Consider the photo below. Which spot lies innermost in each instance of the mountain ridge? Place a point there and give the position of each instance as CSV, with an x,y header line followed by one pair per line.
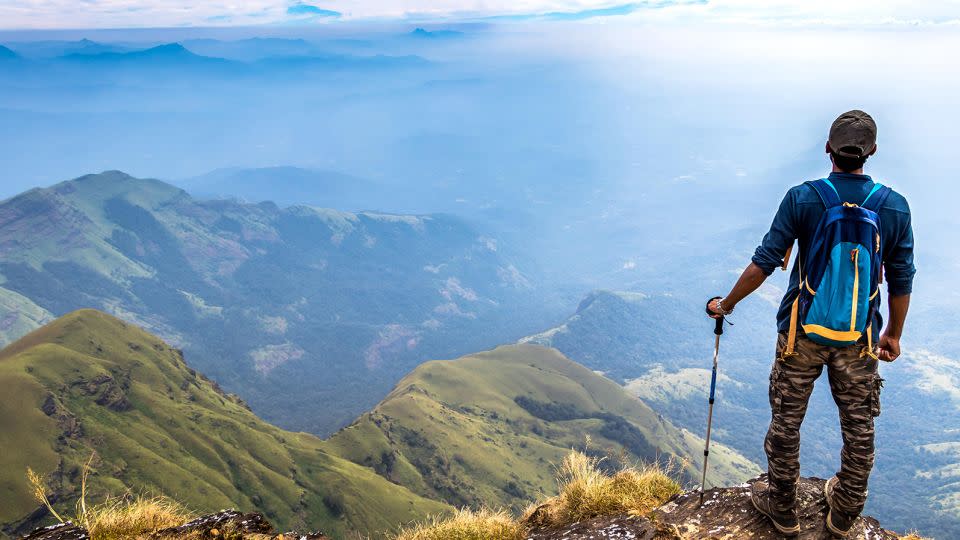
x,y
527,406
264,297
89,383
167,52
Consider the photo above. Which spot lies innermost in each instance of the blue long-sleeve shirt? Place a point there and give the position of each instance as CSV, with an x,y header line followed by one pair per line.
x,y
797,219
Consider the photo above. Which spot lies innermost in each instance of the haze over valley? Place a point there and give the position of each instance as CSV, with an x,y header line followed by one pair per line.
x,y
288,232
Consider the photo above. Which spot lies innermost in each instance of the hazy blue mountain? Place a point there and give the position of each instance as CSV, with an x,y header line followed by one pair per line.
x,y
7,54
169,53
423,33
310,314
56,48
660,347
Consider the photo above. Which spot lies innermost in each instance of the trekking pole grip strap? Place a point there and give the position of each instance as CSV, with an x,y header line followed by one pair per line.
x,y
718,329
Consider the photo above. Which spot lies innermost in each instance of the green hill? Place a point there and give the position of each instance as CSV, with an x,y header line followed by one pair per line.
x,y
661,348
284,306
90,382
490,428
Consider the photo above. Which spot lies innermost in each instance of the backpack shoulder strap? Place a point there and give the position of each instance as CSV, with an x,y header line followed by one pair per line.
x,y
878,195
827,191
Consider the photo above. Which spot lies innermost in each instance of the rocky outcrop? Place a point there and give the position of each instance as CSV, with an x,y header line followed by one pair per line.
x,y
228,521
60,531
228,524
726,514
108,391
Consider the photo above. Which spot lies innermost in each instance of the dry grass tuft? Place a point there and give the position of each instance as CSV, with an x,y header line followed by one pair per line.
x,y
117,518
587,492
131,518
38,485
467,525
912,536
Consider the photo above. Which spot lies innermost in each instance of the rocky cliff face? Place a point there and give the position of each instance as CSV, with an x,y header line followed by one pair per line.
x,y
726,514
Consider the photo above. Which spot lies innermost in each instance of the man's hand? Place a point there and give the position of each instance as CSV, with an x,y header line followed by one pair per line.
x,y
889,348
713,310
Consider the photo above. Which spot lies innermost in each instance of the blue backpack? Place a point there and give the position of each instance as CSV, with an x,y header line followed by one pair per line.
x,y
840,274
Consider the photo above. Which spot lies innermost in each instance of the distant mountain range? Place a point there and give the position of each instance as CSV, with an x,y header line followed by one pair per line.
x,y
295,308
241,50
246,58
423,33
90,384
171,52
56,48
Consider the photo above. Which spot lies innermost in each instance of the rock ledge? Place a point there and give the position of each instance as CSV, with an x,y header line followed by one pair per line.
x,y
726,514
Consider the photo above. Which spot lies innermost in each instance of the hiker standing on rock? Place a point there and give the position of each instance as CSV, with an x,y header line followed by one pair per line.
x,y
851,232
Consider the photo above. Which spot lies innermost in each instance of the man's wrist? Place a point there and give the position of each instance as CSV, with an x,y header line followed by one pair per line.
x,y
723,307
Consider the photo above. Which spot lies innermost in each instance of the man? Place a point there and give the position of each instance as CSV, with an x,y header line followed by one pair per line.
x,y
852,369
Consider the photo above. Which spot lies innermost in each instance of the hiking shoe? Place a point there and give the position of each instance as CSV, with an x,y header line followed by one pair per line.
x,y
838,523
786,523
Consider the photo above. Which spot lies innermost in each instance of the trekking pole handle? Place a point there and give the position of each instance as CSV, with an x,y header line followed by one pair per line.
x,y
718,329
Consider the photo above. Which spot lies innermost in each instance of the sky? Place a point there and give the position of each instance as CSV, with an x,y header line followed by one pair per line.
x,y
49,14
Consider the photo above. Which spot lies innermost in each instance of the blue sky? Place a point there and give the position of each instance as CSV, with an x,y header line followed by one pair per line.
x,y
21,14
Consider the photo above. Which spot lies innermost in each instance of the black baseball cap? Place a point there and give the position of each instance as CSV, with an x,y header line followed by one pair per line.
x,y
853,134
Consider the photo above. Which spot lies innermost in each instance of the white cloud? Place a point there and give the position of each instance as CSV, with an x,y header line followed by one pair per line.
x,y
823,12
136,13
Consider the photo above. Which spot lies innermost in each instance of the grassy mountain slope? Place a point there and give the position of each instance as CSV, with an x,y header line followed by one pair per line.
x,y
89,382
285,306
490,427
660,348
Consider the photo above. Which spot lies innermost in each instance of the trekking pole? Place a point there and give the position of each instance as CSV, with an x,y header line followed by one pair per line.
x,y
718,331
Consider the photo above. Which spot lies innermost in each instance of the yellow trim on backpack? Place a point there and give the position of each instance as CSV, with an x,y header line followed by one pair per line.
x,y
856,288
792,334
834,335
875,293
869,350
807,284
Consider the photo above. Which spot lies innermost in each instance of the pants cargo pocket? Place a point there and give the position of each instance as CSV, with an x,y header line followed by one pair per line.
x,y
776,392
875,396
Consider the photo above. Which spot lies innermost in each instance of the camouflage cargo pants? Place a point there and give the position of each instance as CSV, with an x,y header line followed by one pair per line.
x,y
855,385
